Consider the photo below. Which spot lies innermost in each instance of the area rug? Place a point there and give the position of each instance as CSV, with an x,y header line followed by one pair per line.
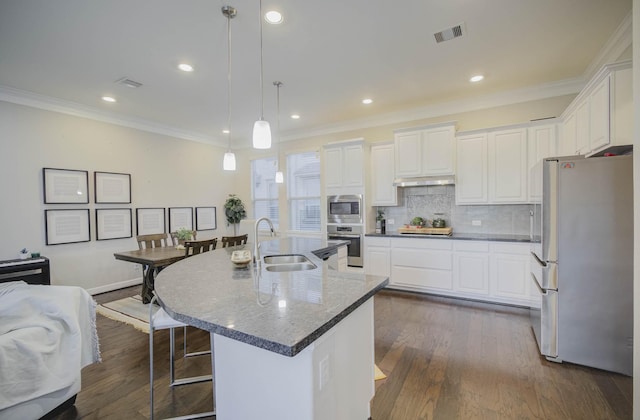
x,y
129,310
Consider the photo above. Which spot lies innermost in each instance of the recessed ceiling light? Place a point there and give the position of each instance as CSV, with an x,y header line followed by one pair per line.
x,y
367,101
273,17
185,67
476,78
108,99
225,131
295,116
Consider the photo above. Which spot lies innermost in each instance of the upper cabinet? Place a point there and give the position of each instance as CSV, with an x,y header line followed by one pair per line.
x,y
382,173
344,167
492,166
600,118
542,141
425,151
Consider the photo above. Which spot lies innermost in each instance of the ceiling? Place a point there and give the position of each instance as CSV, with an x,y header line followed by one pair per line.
x,y
329,55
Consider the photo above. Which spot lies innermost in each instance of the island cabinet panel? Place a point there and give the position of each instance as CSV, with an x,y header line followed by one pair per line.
x,y
422,263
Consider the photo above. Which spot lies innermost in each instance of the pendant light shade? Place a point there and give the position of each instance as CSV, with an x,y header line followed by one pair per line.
x,y
279,177
261,135
229,162
261,128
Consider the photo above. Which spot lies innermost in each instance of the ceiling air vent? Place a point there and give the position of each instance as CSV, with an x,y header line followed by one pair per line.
x,y
450,33
129,83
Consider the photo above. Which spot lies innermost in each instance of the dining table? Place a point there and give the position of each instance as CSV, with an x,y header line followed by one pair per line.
x,y
152,261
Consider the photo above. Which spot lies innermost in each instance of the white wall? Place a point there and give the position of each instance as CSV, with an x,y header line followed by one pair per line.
x,y
165,172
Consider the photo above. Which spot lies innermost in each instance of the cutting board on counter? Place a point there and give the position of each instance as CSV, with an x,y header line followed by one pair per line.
x,y
426,230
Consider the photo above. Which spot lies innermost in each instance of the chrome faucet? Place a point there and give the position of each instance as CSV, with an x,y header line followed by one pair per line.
x,y
256,245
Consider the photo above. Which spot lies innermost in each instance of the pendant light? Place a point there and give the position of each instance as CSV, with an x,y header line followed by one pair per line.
x,y
279,174
229,161
261,128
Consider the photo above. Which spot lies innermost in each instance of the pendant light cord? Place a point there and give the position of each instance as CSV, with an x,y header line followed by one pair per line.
x,y
261,84
229,82
278,84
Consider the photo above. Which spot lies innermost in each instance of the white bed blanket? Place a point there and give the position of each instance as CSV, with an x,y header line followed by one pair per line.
x,y
47,335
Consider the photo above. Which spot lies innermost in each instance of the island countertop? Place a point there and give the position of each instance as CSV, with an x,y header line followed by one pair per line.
x,y
282,312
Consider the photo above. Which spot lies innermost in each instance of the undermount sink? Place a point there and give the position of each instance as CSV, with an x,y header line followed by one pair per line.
x,y
285,259
284,263
290,267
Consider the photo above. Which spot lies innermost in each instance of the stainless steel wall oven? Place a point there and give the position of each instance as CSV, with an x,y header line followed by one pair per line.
x,y
354,235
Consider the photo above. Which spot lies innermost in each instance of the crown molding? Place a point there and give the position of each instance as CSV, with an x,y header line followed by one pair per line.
x,y
531,93
48,103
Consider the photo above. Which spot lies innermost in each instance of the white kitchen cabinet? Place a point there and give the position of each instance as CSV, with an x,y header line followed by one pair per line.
x,y
542,144
471,163
422,264
377,256
344,167
508,167
471,267
510,273
603,113
382,174
425,152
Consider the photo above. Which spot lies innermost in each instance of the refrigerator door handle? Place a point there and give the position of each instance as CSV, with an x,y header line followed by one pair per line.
x,y
542,263
535,281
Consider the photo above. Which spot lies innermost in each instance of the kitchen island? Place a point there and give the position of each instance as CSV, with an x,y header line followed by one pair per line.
x,y
288,344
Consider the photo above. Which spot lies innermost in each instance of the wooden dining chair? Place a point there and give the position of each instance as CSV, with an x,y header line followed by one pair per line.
x,y
155,240
233,240
198,247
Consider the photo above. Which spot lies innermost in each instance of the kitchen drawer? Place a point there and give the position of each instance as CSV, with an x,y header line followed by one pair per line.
x,y
510,248
420,258
377,241
471,246
422,278
422,243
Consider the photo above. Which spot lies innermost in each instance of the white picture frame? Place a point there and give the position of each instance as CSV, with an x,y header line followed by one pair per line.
x,y
65,186
112,188
66,226
180,217
206,218
113,224
150,221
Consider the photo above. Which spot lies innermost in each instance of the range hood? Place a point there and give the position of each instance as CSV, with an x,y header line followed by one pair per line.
x,y
424,180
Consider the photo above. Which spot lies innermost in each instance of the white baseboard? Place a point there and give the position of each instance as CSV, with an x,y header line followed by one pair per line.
x,y
115,286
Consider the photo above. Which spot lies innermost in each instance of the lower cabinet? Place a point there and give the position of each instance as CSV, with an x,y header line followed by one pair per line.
x,y
482,270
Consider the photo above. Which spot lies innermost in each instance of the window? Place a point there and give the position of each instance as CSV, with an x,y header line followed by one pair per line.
x,y
264,190
303,186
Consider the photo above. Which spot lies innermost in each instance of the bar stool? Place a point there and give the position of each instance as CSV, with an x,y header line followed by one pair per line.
x,y
160,321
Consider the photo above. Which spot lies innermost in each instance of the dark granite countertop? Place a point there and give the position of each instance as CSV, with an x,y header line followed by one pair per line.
x,y
456,235
282,312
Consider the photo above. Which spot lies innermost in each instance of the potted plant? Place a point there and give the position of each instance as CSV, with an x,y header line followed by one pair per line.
x,y
24,254
183,234
234,211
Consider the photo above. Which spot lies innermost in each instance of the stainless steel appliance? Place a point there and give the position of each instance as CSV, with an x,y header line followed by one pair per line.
x,y
582,262
353,234
344,209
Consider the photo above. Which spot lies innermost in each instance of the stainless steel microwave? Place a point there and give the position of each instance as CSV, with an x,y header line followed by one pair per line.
x,y
344,208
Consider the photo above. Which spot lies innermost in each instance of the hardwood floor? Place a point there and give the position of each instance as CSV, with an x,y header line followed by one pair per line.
x,y
444,359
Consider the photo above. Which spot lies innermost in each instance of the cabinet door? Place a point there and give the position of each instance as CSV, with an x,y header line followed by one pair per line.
x,y
377,261
333,167
382,176
568,139
352,166
471,164
471,272
582,128
508,166
510,276
542,144
408,154
599,115
438,147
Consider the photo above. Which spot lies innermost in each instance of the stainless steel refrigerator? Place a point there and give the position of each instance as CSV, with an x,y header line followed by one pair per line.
x,y
582,262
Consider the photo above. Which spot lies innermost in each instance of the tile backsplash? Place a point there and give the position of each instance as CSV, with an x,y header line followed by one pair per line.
x,y
508,219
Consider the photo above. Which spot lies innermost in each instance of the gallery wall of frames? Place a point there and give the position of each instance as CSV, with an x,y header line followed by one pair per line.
x,y
67,216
